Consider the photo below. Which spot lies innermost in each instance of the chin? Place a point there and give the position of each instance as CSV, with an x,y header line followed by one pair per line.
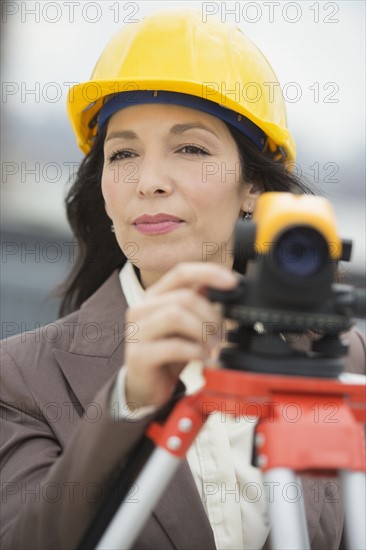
x,y
163,259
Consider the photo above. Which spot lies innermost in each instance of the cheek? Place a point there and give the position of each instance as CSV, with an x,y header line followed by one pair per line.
x,y
106,183
111,191
221,196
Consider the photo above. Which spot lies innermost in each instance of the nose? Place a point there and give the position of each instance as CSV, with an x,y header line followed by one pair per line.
x,y
152,178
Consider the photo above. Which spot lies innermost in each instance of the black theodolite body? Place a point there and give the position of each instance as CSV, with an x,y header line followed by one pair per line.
x,y
289,255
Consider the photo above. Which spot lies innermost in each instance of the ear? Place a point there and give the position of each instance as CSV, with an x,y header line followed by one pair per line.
x,y
251,192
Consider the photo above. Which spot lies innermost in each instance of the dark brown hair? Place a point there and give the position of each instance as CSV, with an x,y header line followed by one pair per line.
x,y
99,253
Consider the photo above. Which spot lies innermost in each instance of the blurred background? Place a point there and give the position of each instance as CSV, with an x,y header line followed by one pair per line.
x,y
316,48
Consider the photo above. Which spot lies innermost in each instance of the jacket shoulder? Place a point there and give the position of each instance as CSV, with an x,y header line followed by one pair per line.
x,y
29,371
57,334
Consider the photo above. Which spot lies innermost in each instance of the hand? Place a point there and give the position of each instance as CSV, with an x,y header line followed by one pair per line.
x,y
170,325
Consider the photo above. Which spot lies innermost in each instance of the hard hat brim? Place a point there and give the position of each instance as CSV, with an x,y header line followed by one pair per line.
x,y
85,100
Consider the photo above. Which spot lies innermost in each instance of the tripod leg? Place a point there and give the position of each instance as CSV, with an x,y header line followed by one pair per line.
x,y
354,493
131,516
286,513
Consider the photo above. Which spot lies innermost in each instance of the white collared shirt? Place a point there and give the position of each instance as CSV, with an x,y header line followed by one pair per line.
x,y
231,489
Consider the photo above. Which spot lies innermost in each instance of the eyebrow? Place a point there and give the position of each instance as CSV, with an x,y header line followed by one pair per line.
x,y
176,130
126,134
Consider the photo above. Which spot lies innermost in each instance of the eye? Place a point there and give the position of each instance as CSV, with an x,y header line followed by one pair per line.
x,y
121,154
193,150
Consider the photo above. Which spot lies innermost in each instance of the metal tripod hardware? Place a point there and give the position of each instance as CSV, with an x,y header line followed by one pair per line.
x,y
327,437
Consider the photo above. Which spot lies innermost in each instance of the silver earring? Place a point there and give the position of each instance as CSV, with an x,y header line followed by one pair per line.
x,y
247,216
112,228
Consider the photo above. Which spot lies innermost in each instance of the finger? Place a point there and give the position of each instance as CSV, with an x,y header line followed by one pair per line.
x,y
173,353
185,298
194,275
154,385
174,320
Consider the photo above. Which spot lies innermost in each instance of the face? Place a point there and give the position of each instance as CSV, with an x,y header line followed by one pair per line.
x,y
172,187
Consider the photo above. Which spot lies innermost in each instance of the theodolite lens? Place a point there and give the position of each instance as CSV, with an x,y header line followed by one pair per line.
x,y
301,251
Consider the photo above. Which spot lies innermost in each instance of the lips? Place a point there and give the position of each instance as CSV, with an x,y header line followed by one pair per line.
x,y
156,218
157,224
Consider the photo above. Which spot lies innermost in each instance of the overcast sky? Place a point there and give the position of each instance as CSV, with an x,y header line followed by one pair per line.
x,y
316,48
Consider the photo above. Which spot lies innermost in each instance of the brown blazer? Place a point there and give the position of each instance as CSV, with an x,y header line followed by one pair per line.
x,y
61,445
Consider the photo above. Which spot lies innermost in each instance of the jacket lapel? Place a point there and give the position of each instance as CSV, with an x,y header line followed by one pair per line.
x,y
86,375
96,351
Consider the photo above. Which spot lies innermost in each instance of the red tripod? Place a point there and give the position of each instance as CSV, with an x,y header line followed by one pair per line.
x,y
328,437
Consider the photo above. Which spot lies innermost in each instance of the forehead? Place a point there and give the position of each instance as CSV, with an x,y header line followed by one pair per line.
x,y
165,115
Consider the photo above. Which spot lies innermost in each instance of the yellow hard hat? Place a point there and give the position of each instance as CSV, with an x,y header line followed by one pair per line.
x,y
175,51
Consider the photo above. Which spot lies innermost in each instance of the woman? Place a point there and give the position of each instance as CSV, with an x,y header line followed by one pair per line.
x,y
172,161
